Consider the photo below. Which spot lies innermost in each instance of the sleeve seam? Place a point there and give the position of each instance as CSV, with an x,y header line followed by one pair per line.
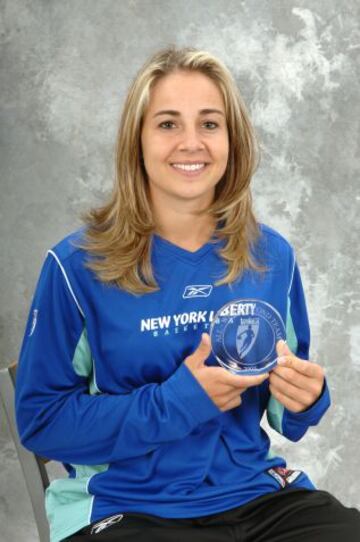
x,y
292,272
67,281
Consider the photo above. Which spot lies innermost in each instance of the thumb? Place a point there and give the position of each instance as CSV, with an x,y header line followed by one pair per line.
x,y
197,358
282,348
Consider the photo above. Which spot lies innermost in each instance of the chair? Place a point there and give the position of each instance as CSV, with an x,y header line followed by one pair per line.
x,y
33,466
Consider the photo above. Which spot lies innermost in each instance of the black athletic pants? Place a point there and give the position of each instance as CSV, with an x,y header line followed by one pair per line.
x,y
287,515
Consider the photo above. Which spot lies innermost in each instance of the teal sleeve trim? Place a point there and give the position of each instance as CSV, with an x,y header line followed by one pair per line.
x,y
293,425
69,503
83,362
291,338
275,410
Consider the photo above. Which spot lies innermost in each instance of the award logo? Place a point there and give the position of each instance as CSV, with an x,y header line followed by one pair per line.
x,y
244,334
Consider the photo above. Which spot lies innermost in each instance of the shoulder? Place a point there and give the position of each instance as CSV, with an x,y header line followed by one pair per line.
x,y
71,258
274,250
275,241
67,260
68,247
63,269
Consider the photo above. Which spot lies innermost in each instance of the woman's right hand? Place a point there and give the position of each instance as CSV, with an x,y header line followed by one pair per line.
x,y
223,387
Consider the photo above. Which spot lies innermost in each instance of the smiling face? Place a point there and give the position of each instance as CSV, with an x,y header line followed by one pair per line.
x,y
184,139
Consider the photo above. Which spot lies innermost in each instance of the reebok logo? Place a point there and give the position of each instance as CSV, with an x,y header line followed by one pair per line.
x,y
106,523
197,290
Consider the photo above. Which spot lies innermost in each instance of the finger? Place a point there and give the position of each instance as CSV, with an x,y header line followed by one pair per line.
x,y
223,399
312,385
234,394
288,403
244,381
299,395
305,367
225,390
282,348
198,357
233,403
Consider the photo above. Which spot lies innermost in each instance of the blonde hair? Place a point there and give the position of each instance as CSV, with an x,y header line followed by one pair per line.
x,y
119,233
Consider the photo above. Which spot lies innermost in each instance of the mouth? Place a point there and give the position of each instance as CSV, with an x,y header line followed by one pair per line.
x,y
190,169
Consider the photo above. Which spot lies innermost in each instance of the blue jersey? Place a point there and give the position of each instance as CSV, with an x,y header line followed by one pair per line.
x,y
102,387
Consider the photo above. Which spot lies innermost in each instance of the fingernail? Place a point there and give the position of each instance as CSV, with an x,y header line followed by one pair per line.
x,y
281,361
205,338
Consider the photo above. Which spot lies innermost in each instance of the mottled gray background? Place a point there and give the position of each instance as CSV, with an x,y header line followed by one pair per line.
x,y
66,66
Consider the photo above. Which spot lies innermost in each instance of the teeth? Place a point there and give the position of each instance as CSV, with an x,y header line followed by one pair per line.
x,y
189,167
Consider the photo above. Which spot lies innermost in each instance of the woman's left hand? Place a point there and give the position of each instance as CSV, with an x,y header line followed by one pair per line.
x,y
294,382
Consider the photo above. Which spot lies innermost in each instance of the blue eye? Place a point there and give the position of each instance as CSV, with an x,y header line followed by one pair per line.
x,y
215,125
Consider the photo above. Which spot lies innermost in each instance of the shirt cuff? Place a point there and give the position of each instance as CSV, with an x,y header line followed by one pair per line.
x,y
313,414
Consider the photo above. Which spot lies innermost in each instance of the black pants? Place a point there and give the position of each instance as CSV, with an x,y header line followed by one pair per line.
x,y
288,515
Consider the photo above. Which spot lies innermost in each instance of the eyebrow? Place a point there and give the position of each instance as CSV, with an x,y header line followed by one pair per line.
x,y
177,113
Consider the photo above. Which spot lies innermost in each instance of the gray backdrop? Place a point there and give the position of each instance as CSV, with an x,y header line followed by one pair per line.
x,y
66,66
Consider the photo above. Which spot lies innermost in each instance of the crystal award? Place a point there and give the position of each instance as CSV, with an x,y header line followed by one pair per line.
x,y
244,333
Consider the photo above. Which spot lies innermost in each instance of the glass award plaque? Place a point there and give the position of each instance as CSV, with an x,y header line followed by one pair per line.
x,y
244,333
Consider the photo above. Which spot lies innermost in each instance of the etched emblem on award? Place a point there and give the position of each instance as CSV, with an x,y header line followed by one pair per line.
x,y
244,333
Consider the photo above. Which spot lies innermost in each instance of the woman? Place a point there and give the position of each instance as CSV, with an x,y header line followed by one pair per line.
x,y
112,379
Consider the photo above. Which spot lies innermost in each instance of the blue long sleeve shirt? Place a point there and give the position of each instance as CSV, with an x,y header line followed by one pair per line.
x,y
102,387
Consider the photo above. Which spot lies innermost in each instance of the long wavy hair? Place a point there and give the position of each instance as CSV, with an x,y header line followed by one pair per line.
x,y
118,236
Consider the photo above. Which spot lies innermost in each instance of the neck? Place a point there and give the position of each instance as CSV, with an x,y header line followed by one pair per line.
x,y
181,226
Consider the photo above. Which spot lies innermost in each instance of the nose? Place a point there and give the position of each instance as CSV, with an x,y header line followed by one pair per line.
x,y
191,140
